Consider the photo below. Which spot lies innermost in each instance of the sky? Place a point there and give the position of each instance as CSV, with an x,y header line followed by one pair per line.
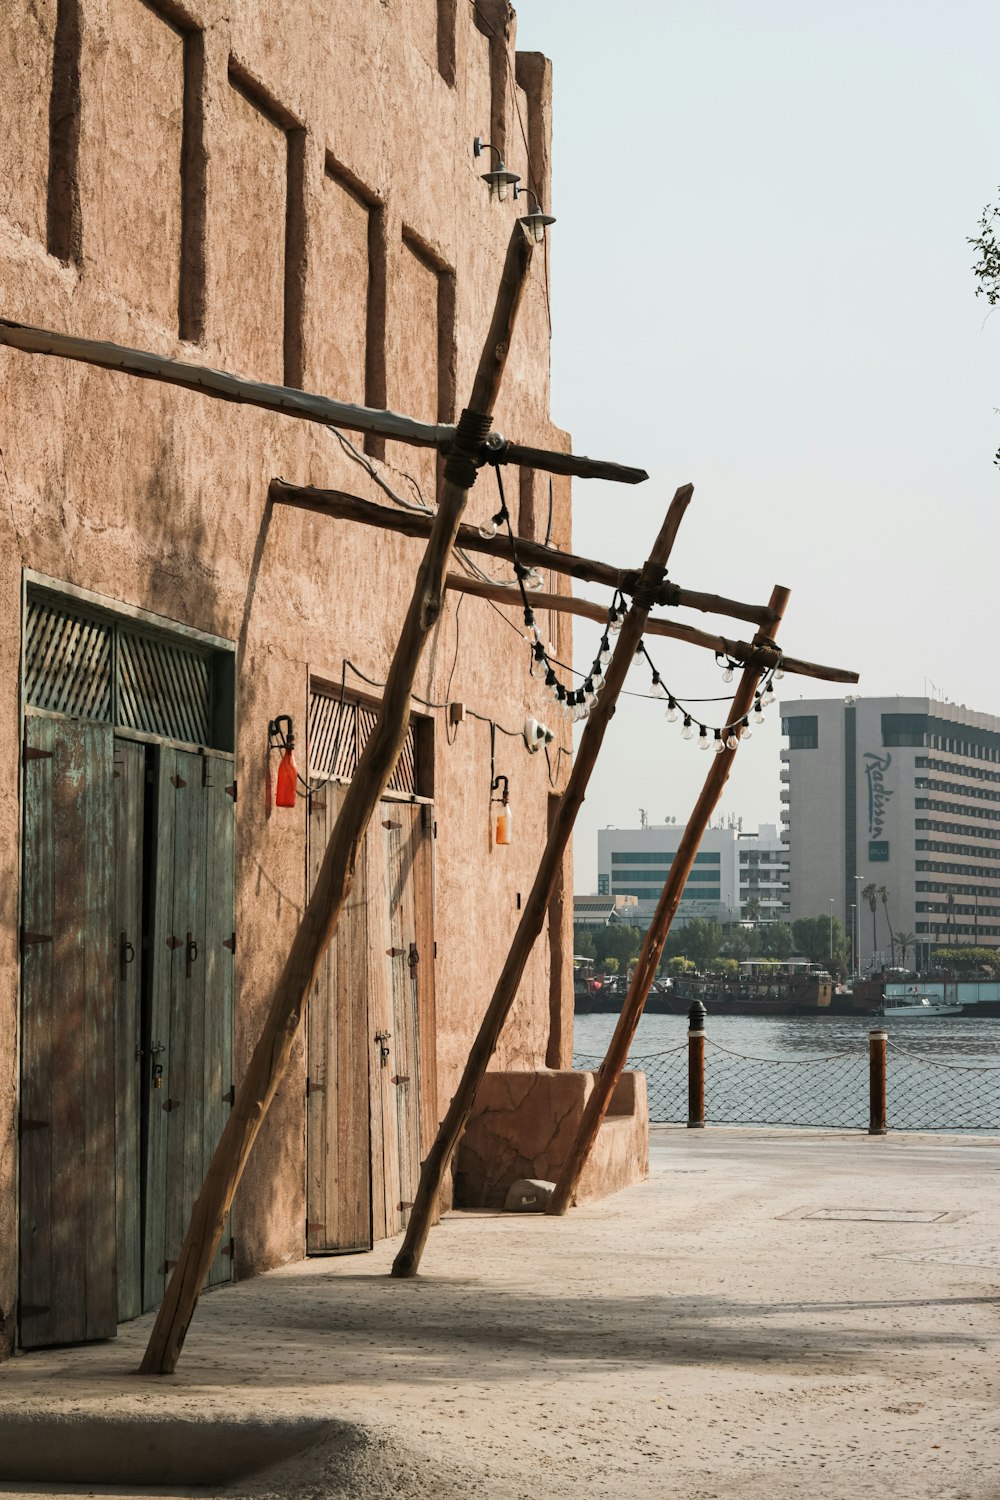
x,y
762,285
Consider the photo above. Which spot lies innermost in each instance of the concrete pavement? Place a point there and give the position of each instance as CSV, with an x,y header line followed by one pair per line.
x,y
772,1314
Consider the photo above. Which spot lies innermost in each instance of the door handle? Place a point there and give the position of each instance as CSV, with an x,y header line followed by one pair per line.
x,y
126,953
190,954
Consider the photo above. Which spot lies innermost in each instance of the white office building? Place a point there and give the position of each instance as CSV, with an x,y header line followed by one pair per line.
x,y
736,875
900,793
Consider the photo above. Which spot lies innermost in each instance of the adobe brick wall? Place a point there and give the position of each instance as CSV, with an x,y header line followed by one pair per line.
x,y
242,174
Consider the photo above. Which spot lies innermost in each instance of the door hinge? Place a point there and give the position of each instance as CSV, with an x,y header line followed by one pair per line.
x,y
230,943
317,804
394,952
178,782
229,1248
174,942
312,1228
168,1265
406,1203
28,939
31,752
231,790
24,1125
314,1088
32,1309
229,1097
388,823
169,1105
414,957
400,1078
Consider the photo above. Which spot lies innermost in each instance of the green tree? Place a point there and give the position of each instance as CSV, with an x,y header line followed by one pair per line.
x,y
742,943
776,940
905,941
987,268
702,941
583,942
816,940
883,896
870,894
611,965
752,911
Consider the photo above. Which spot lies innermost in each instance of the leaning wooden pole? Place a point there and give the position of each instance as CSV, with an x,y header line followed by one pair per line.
x,y
652,948
449,1134
271,1055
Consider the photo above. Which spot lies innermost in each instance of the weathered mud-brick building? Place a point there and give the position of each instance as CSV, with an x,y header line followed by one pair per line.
x,y
288,192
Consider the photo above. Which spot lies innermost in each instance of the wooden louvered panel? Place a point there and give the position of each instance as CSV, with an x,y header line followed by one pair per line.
x,y
67,663
333,750
163,689
338,732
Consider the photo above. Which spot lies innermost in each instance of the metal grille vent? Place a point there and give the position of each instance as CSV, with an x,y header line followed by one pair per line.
x,y
163,689
338,733
67,663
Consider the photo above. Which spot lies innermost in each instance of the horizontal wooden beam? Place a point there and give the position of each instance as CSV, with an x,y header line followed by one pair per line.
x,y
222,386
347,507
740,651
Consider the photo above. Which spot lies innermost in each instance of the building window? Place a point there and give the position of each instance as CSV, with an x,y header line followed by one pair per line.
x,y
904,729
802,732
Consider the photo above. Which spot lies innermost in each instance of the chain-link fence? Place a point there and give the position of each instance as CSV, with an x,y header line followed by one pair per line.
x,y
830,1091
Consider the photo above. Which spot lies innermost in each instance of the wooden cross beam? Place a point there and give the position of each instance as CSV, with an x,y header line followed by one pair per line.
x,y
534,554
720,645
223,386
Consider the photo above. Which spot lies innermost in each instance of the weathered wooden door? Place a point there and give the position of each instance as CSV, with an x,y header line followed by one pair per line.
x,y
127,932
371,1010
191,944
67,1165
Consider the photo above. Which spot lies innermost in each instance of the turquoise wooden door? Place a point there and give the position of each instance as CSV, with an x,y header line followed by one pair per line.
x,y
191,947
68,1290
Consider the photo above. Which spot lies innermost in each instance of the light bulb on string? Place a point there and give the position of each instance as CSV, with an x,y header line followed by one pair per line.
x,y
747,731
604,655
732,740
703,738
658,690
779,673
766,698
671,711
727,675
687,732
614,620
758,716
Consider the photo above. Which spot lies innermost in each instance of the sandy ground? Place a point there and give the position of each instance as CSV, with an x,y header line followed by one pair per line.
x,y
772,1314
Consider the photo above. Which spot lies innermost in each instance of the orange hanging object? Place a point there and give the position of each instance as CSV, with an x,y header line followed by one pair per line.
x,y
286,791
505,824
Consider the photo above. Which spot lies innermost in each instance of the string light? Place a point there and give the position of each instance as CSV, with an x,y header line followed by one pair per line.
x,y
576,703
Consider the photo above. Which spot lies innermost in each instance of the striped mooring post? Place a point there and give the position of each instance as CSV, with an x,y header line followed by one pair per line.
x,y
877,1046
696,1066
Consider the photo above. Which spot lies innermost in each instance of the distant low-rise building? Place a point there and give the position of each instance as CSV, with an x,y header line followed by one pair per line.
x,y
604,911
737,875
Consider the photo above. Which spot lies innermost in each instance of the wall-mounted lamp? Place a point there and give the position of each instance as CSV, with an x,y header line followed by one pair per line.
x,y
281,736
536,735
533,224
504,828
499,179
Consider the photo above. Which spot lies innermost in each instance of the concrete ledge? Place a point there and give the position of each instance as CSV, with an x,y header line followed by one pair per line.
x,y
81,1448
523,1124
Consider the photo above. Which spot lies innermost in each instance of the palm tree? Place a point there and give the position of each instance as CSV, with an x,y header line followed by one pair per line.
x,y
870,894
883,896
906,941
950,903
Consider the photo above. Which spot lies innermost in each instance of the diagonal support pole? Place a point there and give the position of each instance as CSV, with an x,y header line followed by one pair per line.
x,y
272,1053
449,1134
652,948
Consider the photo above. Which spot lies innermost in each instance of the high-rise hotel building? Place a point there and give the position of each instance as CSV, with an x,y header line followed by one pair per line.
x,y
896,792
